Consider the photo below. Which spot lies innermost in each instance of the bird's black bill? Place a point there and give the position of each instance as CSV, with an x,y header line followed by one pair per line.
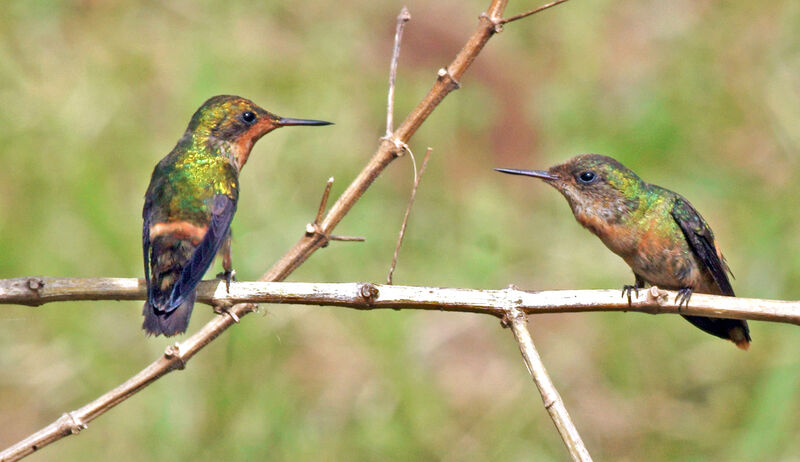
x,y
534,173
285,121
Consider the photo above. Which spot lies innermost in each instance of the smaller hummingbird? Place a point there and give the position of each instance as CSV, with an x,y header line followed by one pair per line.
x,y
189,205
656,231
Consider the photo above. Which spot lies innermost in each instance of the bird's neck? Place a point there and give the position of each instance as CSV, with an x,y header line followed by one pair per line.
x,y
236,153
617,221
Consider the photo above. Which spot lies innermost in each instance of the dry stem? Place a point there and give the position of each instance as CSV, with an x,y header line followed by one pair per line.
x,y
417,179
402,19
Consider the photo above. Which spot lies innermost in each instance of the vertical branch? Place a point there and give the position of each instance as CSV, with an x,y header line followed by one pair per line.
x,y
402,19
550,397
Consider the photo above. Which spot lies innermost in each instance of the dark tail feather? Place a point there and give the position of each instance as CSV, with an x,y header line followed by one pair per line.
x,y
734,330
158,322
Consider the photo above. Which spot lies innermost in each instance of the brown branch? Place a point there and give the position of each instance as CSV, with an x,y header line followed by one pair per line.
x,y
518,322
417,179
349,294
447,81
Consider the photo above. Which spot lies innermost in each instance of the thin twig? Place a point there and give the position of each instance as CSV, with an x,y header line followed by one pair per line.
x,y
402,19
447,81
528,13
323,203
492,302
518,322
314,227
417,179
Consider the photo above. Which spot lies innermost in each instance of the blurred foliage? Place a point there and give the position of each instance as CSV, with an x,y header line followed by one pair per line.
x,y
702,97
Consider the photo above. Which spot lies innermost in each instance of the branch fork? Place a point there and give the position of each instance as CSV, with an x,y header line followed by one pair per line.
x,y
315,228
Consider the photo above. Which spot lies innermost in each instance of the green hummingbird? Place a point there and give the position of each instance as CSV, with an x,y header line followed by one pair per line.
x,y
657,232
190,203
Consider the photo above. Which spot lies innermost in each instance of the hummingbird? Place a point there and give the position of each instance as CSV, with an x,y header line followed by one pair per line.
x,y
658,233
190,203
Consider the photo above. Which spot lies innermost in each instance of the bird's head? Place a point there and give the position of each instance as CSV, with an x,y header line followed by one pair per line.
x,y
238,123
596,187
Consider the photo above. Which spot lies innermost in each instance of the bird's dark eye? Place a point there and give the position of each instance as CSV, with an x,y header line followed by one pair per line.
x,y
248,117
587,177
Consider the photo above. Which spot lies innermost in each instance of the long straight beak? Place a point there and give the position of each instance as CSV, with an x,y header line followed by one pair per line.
x,y
534,173
285,121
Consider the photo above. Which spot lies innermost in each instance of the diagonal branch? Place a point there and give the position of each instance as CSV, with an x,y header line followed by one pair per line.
x,y
389,149
518,322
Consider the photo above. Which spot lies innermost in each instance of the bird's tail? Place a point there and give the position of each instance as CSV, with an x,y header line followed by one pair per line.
x,y
734,330
158,322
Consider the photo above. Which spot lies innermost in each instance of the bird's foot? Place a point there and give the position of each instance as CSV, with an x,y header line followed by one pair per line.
x,y
627,289
683,296
227,276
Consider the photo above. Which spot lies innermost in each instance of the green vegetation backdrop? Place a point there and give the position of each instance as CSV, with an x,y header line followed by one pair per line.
x,y
700,97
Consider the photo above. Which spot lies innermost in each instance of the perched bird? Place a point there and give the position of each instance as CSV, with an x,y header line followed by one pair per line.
x,y
190,203
656,231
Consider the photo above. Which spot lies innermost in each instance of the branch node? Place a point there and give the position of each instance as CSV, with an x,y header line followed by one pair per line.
x,y
174,352
35,284
444,75
369,292
512,314
496,23
656,295
400,147
74,423
314,229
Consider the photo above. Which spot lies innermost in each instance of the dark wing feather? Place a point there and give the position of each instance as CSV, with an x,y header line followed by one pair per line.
x,y
222,212
701,240
146,243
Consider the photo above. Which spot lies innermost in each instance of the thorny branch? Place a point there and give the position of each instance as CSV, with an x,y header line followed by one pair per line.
x,y
177,355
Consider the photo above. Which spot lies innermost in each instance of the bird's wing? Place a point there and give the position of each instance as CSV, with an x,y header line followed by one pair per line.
x,y
222,211
146,242
701,241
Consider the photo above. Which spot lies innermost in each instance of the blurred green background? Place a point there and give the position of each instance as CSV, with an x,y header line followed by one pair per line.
x,y
702,97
